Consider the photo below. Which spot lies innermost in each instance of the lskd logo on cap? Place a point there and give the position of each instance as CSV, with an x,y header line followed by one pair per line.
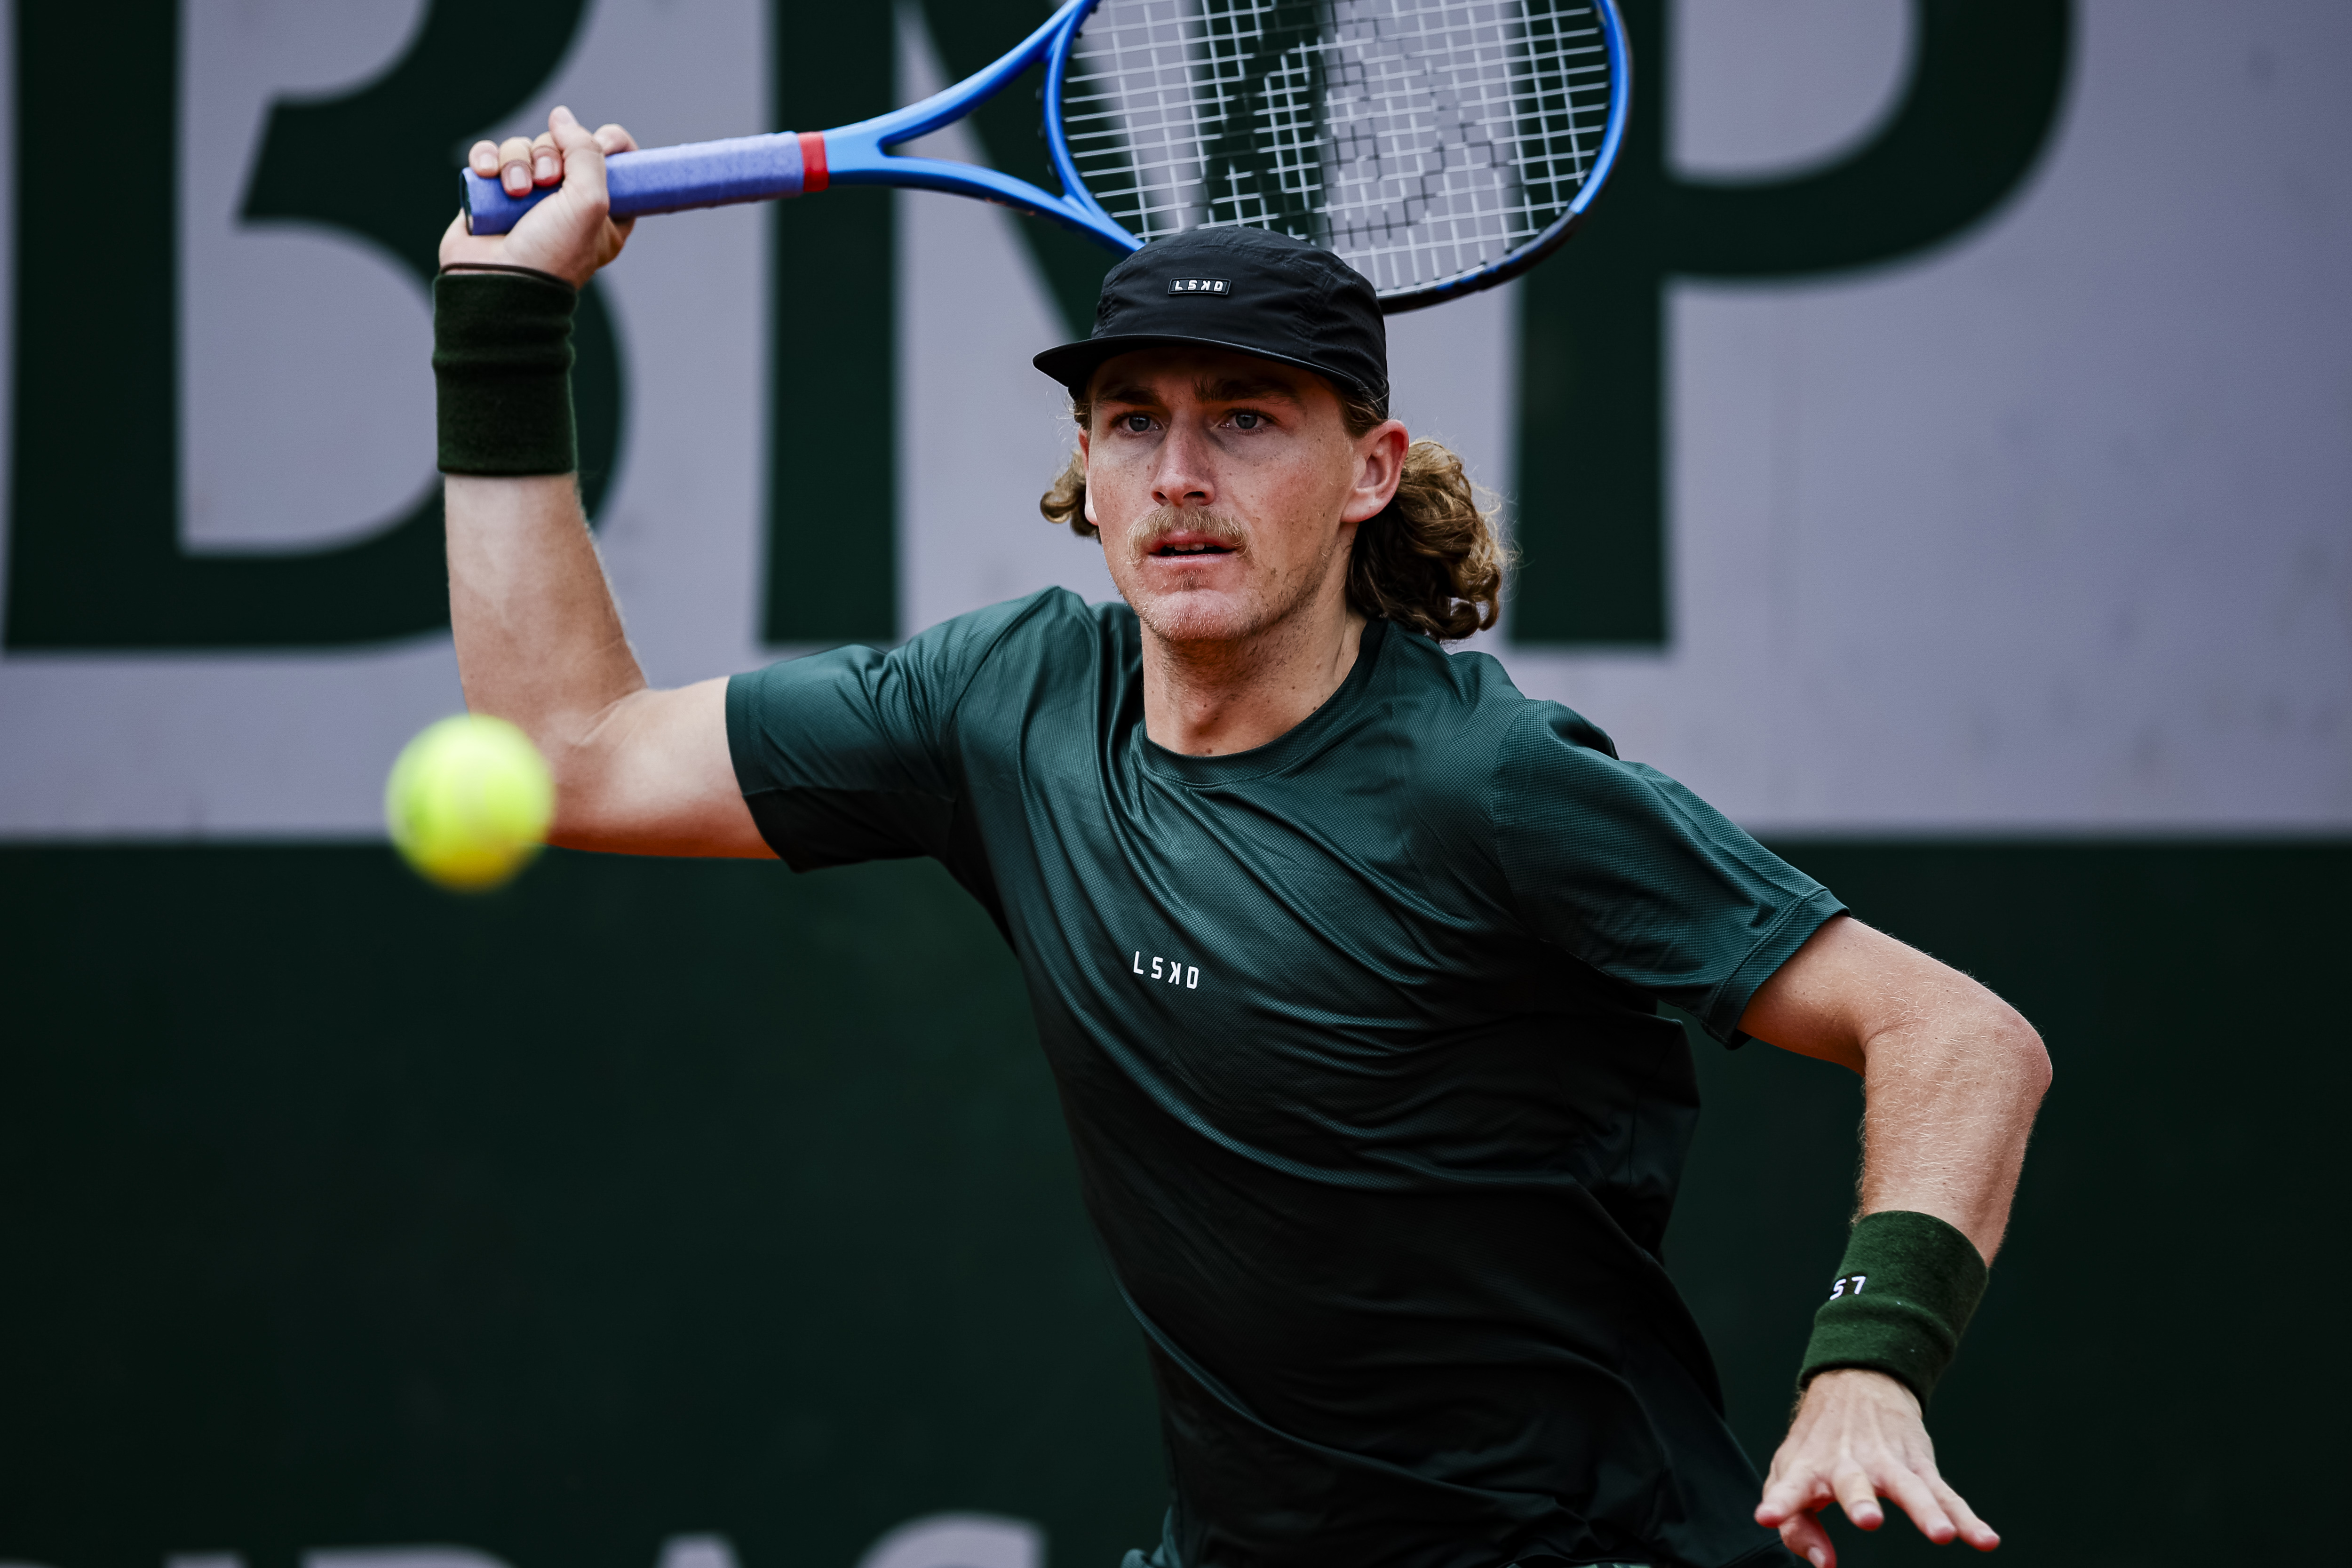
x,y
1198,286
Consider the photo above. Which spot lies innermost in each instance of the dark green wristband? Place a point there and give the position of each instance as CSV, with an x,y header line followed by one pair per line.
x,y
1903,1298
502,361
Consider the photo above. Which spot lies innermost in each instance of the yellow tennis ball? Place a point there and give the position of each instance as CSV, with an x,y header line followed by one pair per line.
x,y
469,801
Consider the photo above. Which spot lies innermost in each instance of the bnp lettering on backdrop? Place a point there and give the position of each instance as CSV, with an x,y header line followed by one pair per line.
x,y
96,557
1985,83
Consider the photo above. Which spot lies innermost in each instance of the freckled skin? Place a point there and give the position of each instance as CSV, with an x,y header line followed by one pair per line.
x,y
1203,446
1275,467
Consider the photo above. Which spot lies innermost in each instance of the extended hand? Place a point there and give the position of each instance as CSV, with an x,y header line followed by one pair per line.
x,y
1857,1437
571,234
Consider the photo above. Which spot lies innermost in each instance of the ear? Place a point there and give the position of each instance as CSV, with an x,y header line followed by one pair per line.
x,y
1380,466
1085,456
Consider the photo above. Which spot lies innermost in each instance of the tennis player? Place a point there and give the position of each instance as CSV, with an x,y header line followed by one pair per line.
x,y
1347,956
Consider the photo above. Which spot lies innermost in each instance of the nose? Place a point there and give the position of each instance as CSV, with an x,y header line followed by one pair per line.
x,y
1181,469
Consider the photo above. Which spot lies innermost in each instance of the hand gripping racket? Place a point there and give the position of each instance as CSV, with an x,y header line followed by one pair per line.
x,y
1438,146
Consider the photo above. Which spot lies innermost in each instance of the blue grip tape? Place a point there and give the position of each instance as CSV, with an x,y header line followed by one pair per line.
x,y
661,180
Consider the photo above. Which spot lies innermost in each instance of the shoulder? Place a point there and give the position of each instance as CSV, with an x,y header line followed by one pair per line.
x,y
1034,619
1495,765
1048,617
920,683
803,716
1045,652
1439,729
1473,696
1048,635
1049,631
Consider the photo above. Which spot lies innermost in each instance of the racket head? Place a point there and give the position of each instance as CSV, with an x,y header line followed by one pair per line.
x,y
1440,146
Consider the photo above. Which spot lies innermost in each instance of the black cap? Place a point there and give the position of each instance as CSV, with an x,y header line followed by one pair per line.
x,y
1248,289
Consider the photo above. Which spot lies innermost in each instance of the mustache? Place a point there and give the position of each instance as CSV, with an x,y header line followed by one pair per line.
x,y
1156,529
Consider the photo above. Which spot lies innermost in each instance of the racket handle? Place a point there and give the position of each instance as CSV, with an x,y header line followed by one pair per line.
x,y
673,179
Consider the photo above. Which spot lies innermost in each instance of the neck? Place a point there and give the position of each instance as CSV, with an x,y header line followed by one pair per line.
x,y
1212,699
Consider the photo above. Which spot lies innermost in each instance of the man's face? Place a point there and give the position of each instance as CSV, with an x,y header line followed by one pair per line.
x,y
1227,488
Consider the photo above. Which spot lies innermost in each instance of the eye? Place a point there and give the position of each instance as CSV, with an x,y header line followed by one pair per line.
x,y
1247,419
1135,423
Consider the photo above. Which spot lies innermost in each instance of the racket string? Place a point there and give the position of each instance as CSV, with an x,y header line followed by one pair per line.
x,y
1422,139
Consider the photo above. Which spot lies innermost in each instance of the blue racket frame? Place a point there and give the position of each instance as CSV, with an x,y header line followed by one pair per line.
x,y
859,155
760,168
1613,137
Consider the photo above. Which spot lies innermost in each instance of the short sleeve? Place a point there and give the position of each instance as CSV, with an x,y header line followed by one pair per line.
x,y
849,755
1627,871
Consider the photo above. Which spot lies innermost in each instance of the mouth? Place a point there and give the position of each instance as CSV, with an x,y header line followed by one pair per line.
x,y
1187,541
1199,540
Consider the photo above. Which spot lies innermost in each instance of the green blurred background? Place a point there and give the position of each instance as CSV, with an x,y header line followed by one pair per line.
x,y
648,1197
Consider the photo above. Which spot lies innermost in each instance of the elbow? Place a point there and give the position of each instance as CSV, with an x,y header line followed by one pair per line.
x,y
582,806
2020,1047
573,828
597,760
579,774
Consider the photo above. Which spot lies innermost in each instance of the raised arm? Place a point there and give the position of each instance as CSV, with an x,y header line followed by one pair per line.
x,y
1952,1077
539,636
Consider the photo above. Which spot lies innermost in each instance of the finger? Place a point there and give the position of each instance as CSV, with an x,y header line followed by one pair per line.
x,y
1858,1498
1792,1488
615,139
514,166
483,159
1915,1497
1973,1530
546,162
1798,1492
584,160
1804,1536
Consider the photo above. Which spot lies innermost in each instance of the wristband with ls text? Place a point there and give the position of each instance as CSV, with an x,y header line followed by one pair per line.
x,y
1901,1301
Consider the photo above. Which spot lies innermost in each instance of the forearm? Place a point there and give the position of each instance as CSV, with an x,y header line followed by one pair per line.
x,y
1951,1074
1950,1096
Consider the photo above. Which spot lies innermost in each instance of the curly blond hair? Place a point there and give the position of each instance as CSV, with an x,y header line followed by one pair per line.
x,y
1432,560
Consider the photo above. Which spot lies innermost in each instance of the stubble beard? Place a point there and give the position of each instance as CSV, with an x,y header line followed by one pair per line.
x,y
1189,617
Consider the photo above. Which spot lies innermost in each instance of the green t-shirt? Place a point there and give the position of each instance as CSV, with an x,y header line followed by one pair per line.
x,y
1357,1038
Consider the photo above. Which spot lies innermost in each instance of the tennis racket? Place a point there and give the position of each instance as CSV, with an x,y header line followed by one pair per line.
x,y
1438,146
